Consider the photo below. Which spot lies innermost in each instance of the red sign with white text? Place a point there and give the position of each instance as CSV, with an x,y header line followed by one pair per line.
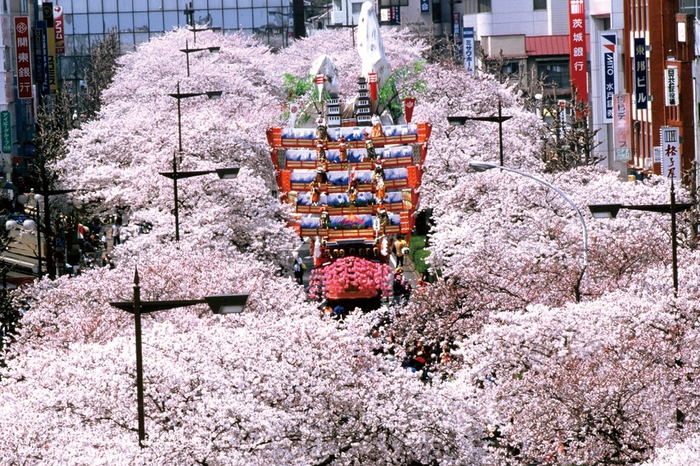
x,y
24,63
577,48
58,29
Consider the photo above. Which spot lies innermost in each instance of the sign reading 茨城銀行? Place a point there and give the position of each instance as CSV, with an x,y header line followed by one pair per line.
x,y
577,48
6,131
670,152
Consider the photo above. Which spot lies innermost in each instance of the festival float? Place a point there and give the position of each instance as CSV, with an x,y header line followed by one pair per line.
x,y
352,176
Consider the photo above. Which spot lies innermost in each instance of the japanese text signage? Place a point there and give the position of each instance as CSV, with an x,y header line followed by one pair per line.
x,y
608,43
424,6
41,56
58,29
577,48
621,126
24,63
6,127
640,73
47,12
468,41
670,153
671,82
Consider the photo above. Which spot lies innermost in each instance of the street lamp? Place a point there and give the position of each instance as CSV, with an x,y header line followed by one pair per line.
x,y
175,175
483,166
187,50
224,174
189,19
31,224
461,120
219,304
611,210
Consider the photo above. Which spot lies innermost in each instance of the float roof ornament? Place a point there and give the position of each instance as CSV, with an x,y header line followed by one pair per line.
x,y
370,46
324,65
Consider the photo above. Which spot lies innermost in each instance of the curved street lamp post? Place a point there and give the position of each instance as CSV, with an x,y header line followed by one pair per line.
x,y
483,166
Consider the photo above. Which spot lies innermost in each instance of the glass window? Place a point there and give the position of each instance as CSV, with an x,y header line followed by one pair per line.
x,y
555,73
80,24
155,21
110,21
67,25
244,4
126,22
245,18
80,45
96,25
437,11
230,19
214,4
155,5
170,20
170,5
140,38
109,6
539,5
484,6
80,6
216,18
200,5
126,39
259,17
67,8
125,5
96,39
140,22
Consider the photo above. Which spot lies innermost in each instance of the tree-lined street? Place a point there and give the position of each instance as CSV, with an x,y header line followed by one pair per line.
x,y
531,355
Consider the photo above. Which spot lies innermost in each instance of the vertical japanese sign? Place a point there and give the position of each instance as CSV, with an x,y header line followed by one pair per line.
x,y
622,123
58,29
24,65
456,29
468,41
640,73
41,57
47,12
6,130
671,84
425,6
670,153
608,43
577,48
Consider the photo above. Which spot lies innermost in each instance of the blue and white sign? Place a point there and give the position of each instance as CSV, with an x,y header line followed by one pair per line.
x,y
468,43
425,6
640,74
608,43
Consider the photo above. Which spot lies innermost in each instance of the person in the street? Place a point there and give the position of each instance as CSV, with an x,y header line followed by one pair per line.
x,y
116,231
298,268
400,247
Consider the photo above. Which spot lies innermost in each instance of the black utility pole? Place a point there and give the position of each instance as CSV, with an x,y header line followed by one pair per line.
x,y
299,19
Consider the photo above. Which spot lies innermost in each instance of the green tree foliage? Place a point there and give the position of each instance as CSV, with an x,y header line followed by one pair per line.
x,y
404,82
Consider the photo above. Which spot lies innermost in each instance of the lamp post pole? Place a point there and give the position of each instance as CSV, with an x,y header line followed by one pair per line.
x,y
219,304
460,120
139,359
674,241
611,210
483,166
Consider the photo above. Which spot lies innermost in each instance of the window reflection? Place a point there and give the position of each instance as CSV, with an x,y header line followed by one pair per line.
x,y
126,22
110,21
155,21
109,6
140,22
80,24
125,5
170,19
96,26
230,19
80,6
